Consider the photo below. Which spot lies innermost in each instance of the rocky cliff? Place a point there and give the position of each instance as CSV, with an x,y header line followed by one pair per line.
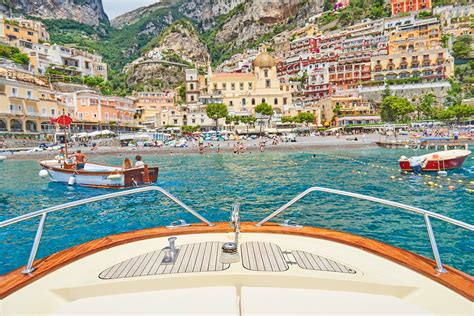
x,y
161,66
90,12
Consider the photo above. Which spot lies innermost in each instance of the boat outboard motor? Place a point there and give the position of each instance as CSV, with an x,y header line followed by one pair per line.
x,y
415,164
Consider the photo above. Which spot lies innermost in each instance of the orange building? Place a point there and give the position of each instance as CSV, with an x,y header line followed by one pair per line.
x,y
403,6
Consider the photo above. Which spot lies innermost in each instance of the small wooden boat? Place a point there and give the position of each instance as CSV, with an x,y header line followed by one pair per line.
x,y
438,161
97,175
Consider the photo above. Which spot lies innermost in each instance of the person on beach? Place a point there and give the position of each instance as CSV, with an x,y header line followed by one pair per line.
x,y
218,148
138,161
127,163
80,159
261,144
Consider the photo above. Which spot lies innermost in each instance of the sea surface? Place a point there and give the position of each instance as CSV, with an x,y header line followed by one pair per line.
x,y
212,183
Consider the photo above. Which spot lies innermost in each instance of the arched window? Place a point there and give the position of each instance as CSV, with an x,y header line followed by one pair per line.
x,y
253,101
263,100
3,125
31,126
15,125
244,102
275,101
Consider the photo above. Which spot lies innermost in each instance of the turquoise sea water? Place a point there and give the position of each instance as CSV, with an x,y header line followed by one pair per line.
x,y
212,183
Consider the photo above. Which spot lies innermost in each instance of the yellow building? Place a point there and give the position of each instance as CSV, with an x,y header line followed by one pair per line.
x,y
419,36
427,65
344,105
26,104
149,104
242,92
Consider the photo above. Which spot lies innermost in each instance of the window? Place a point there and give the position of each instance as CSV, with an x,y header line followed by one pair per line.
x,y
30,33
53,112
265,73
15,29
231,103
83,102
193,121
253,101
232,86
250,86
175,122
15,92
275,101
224,86
80,115
241,86
30,109
268,83
107,116
244,102
94,115
114,116
202,120
44,111
263,100
215,86
29,94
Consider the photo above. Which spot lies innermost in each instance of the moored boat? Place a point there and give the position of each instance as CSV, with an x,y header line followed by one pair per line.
x,y
236,269
438,161
97,175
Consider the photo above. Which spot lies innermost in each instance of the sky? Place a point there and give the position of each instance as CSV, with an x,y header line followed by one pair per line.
x,y
114,8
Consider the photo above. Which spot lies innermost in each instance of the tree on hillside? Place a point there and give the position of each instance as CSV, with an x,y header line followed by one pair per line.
x,y
461,111
265,110
454,96
425,107
395,108
216,111
462,46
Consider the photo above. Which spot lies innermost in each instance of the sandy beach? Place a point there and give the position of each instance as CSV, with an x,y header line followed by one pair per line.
x,y
302,144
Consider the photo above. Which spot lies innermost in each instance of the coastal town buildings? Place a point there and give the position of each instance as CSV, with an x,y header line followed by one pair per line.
x,y
26,104
20,30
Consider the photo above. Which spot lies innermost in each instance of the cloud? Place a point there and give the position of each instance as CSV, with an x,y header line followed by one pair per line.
x,y
115,8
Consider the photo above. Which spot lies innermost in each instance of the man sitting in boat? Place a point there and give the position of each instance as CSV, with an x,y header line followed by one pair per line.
x,y
139,162
80,159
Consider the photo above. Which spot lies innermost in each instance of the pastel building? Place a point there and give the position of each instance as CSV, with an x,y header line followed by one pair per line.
x,y
149,104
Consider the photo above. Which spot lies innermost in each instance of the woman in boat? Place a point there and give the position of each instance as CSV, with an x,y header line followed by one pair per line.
x,y
127,163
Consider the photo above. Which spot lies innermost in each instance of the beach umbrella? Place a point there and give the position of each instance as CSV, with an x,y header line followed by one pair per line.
x,y
63,120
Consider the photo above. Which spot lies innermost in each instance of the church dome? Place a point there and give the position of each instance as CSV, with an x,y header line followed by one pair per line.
x,y
264,60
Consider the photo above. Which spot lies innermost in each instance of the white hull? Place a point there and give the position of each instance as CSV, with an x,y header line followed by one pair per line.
x,y
92,180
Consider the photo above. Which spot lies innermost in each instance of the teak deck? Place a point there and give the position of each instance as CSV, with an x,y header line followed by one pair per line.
x,y
454,279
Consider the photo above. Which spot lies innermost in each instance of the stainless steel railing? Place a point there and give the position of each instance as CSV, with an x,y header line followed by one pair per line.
x,y
43,213
426,214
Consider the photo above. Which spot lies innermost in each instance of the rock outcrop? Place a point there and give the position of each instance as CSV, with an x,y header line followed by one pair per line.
x,y
90,12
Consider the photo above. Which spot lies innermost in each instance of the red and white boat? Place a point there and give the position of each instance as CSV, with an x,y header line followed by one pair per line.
x,y
438,161
97,175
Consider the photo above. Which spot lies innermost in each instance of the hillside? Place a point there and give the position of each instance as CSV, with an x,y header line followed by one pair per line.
x,y
178,47
89,12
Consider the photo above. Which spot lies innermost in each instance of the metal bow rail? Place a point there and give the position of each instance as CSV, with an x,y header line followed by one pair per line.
x,y
426,214
29,267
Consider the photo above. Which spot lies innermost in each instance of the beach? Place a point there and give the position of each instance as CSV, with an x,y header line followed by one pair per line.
x,y
305,143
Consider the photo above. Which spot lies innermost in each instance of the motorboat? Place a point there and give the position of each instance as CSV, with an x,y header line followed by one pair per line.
x,y
236,268
98,175
438,161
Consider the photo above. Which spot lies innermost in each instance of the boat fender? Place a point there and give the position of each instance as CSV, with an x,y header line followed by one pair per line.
x,y
43,173
72,180
114,176
442,173
459,181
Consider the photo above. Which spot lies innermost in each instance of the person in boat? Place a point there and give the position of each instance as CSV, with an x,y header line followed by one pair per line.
x,y
80,159
139,162
127,163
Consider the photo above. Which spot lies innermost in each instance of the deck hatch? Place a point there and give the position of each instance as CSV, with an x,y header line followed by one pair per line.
x,y
309,261
198,257
262,256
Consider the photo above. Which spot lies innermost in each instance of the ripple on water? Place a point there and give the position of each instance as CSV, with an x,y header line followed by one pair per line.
x,y
211,184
